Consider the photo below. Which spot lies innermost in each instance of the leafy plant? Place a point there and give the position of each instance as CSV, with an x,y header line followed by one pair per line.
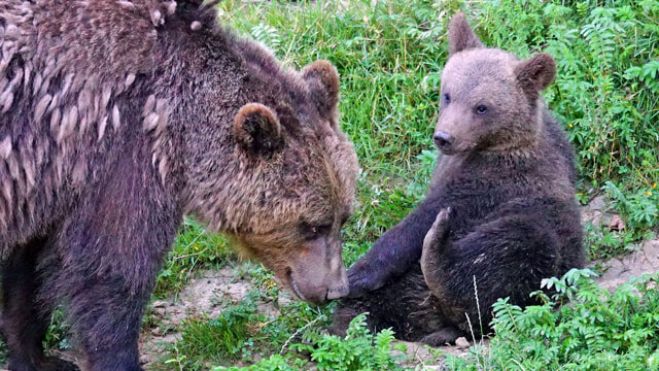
x,y
641,208
266,34
593,329
240,331
359,350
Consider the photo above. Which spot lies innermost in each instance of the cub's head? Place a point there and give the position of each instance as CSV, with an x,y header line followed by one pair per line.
x,y
291,184
489,99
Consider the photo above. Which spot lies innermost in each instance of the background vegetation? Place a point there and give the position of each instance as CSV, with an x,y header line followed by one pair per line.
x,y
390,55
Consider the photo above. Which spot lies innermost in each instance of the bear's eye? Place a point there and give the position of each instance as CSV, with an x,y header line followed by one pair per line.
x,y
447,98
312,231
481,108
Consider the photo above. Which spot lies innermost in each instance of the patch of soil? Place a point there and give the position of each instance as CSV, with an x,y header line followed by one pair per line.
x,y
206,296
432,358
619,270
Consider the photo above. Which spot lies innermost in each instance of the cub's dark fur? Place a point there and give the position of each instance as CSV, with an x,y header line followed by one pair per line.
x,y
500,214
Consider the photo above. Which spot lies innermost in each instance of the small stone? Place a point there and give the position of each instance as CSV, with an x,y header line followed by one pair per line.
x,y
597,203
462,343
159,304
616,223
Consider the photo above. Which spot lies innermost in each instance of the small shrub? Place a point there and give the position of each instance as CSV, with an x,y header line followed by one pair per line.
x,y
640,208
593,329
359,350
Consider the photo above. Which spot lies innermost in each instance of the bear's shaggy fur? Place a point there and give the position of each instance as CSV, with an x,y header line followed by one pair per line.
x,y
120,116
500,214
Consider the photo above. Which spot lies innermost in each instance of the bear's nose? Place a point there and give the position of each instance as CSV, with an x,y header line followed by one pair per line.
x,y
443,139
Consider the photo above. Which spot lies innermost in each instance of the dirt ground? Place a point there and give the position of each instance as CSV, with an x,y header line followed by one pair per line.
x,y
205,296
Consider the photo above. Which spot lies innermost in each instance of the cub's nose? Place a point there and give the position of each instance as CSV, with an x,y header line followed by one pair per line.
x,y
443,140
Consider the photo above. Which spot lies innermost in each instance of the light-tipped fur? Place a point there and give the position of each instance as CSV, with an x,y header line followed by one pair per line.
x,y
117,117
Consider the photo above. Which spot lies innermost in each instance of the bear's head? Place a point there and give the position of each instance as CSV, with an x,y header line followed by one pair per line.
x,y
290,184
490,100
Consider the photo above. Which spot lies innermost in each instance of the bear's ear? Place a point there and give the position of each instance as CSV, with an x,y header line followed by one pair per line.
x,y
257,130
460,35
323,82
536,73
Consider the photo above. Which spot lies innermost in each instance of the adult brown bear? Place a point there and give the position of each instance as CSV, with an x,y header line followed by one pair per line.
x,y
117,118
500,214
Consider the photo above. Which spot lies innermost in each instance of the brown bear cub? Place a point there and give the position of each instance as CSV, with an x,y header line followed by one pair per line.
x,y
500,214
117,117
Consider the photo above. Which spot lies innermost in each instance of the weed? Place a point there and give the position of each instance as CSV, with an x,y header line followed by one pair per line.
x,y
225,338
597,330
358,350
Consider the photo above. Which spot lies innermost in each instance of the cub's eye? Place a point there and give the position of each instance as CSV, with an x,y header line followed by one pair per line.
x,y
447,98
481,109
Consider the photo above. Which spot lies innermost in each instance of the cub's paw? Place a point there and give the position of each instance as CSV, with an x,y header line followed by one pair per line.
x,y
364,278
433,246
342,316
439,230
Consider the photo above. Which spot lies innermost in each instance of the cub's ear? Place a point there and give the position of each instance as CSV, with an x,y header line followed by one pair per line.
x,y
460,35
536,73
257,130
323,82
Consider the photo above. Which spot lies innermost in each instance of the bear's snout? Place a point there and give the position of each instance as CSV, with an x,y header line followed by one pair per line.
x,y
340,288
317,274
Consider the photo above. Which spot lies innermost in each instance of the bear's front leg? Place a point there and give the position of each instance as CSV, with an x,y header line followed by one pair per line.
x,y
395,252
25,318
112,247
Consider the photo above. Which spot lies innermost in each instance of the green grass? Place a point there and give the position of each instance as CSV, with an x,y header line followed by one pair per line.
x,y
580,326
227,337
195,249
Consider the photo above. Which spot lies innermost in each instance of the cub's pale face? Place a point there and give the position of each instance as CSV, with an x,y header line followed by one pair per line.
x,y
480,101
489,98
